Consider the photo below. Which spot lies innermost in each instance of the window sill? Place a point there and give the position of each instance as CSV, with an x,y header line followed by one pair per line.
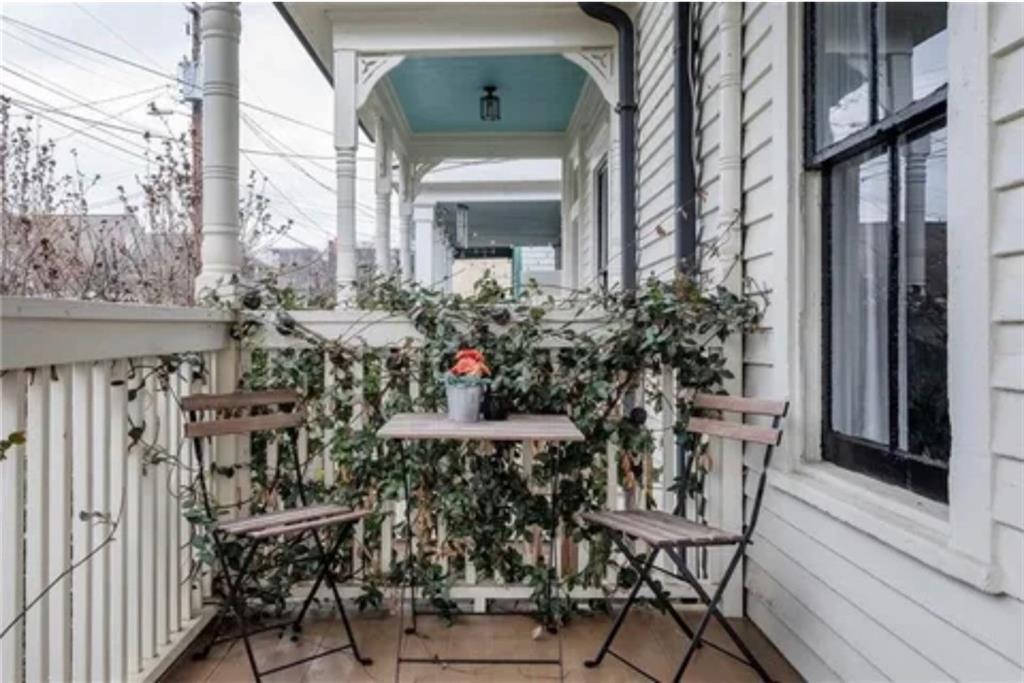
x,y
911,524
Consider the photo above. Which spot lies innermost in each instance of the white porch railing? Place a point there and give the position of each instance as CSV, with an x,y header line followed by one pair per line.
x,y
121,608
80,508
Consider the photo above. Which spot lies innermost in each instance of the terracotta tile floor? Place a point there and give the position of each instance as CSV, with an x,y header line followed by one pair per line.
x,y
647,637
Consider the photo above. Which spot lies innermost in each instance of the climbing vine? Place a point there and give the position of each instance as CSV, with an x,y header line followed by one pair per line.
x,y
470,503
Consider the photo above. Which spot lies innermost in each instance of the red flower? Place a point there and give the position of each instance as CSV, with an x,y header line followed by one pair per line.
x,y
472,354
470,363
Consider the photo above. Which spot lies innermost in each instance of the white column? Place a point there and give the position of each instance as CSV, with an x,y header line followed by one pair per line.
x,y
383,188
423,226
570,250
407,195
221,251
346,143
727,480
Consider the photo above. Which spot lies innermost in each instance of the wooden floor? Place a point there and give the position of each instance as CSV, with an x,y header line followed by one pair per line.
x,y
647,637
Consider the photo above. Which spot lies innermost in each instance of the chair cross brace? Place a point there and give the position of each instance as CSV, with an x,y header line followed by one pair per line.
x,y
236,603
643,569
234,598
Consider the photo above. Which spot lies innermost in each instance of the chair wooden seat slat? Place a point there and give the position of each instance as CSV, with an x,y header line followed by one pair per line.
x,y
670,532
240,399
740,404
257,522
662,529
245,425
344,517
734,430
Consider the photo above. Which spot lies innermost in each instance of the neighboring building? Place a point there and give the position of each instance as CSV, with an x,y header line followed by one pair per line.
x,y
479,204
863,165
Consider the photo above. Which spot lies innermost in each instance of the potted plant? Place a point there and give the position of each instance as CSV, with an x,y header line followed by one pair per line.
x,y
465,384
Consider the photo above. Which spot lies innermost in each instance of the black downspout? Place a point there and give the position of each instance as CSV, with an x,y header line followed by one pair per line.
x,y
685,191
626,109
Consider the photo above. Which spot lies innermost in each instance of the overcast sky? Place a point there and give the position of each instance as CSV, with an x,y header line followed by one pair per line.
x,y
48,73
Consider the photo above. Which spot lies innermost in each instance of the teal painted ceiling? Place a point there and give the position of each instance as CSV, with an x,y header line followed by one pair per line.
x,y
442,94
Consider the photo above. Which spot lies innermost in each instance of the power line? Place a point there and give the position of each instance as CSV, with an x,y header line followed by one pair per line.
x,y
114,33
63,59
92,122
63,91
78,131
155,72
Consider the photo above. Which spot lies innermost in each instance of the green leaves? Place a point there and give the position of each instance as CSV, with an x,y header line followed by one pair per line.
x,y
13,439
590,355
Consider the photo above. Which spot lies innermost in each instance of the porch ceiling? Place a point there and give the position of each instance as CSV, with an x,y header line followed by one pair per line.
x,y
508,224
442,94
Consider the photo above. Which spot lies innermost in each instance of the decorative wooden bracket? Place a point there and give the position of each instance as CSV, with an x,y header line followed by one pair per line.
x,y
599,63
369,70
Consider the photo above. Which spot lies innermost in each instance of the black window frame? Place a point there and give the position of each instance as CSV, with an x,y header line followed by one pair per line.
x,y
602,225
887,463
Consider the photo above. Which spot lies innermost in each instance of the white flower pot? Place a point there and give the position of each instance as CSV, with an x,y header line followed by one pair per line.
x,y
464,402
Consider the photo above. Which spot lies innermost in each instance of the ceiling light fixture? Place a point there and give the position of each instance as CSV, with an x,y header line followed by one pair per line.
x,y
490,105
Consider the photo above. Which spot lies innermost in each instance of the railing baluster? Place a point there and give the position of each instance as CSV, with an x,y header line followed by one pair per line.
x,y
36,524
161,502
207,383
117,496
83,470
530,545
12,525
150,477
99,418
358,407
134,530
59,553
187,594
172,428
330,379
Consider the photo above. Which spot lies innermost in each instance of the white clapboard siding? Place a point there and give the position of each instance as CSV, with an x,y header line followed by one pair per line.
x,y
1007,112
655,26
838,602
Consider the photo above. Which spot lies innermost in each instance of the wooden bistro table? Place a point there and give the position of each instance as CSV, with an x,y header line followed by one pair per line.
x,y
521,428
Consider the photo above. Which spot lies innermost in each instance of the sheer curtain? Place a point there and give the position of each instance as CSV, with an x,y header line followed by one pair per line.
x,y
860,273
843,65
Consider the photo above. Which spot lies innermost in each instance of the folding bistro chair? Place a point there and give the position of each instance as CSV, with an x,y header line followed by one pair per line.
x,y
243,414
671,534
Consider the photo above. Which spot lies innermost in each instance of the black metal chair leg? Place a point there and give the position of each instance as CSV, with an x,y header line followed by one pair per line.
x,y
238,604
328,576
712,611
297,624
646,577
365,661
591,663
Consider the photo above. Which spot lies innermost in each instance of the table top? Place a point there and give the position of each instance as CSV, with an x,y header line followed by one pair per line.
x,y
517,427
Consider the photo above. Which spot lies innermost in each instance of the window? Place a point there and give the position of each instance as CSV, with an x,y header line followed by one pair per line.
x,y
601,222
875,128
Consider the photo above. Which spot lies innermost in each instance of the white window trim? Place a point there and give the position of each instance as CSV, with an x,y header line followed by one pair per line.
x,y
955,539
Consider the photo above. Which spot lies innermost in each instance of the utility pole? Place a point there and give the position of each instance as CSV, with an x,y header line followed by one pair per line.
x,y
190,85
192,94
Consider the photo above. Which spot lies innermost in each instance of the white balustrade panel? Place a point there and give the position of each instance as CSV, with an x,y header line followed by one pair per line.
x,y
95,580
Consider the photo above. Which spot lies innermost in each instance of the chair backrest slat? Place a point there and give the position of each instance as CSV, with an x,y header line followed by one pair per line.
x,y
244,425
249,399
735,430
740,404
